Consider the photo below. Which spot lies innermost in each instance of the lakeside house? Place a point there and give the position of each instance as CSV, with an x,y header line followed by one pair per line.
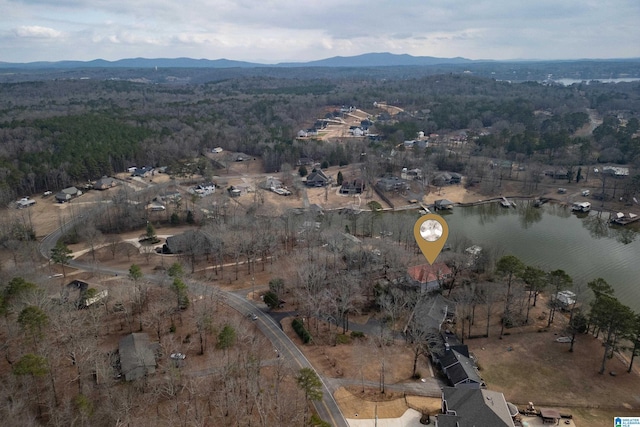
x,y
429,277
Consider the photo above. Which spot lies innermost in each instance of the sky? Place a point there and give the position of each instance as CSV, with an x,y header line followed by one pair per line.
x,y
272,31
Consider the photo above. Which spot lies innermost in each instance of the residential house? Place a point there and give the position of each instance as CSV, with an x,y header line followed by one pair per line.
x,y
204,189
188,242
320,124
271,182
354,186
305,161
421,144
143,172
460,369
105,183
446,178
365,124
137,356
356,131
616,171
411,174
317,178
432,312
463,407
429,277
393,183
456,178
68,194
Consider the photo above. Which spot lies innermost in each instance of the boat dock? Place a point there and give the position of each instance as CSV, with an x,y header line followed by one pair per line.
x,y
622,219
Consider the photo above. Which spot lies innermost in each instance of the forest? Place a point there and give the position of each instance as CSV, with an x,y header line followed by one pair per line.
x,y
62,132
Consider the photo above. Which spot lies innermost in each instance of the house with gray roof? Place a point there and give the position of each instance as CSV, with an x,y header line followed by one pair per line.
x,y
68,194
137,357
317,178
461,370
393,183
464,407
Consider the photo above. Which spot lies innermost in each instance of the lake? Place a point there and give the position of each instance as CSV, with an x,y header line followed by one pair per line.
x,y
551,237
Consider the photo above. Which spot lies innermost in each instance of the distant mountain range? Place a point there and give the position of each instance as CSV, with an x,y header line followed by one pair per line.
x,y
366,60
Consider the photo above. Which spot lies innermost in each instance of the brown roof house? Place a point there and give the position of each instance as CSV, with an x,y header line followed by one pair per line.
x,y
105,183
137,356
429,277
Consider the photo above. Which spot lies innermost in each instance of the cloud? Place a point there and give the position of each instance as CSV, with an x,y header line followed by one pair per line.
x,y
290,30
36,31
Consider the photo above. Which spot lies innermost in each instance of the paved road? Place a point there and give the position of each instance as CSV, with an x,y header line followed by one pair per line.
x,y
327,408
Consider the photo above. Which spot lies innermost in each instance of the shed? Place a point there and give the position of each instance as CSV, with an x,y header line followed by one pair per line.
x,y
549,416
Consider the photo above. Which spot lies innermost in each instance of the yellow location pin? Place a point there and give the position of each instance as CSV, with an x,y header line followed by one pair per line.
x,y
431,232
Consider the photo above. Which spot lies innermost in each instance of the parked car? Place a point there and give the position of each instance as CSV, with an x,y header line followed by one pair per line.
x,y
178,356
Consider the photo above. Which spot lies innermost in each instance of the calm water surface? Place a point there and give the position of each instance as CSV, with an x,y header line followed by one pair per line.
x,y
553,238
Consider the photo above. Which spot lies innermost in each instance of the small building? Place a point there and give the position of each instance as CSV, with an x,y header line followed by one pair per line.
x,y
68,194
429,277
105,183
25,202
234,192
565,299
137,357
442,204
156,207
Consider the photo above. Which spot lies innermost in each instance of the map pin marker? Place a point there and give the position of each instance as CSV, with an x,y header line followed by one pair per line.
x,y
431,232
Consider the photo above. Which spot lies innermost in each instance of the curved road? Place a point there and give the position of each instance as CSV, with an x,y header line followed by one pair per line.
x,y
327,408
